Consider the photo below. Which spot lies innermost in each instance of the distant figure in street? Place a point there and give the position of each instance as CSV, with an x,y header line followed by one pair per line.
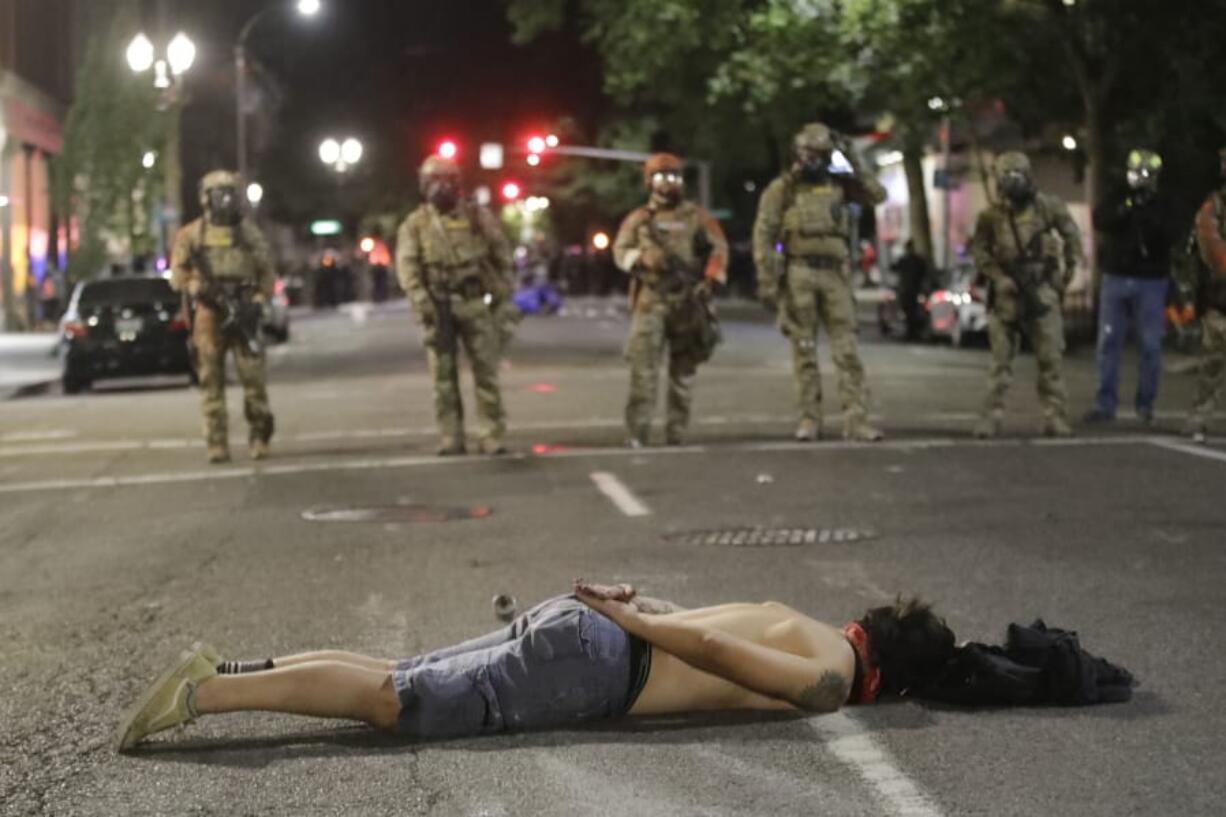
x,y
224,266
912,272
1136,275
801,248
1020,242
604,652
1211,303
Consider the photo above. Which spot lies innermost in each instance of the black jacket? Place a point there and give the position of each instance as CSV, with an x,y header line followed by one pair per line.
x,y
1138,236
1038,665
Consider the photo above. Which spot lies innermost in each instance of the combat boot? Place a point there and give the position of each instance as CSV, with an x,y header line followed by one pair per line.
x,y
218,454
808,431
492,447
1197,429
451,447
859,430
674,436
987,428
639,438
1056,426
259,449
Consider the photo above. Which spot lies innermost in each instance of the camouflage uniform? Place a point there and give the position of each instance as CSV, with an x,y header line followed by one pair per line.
x,y
457,257
1211,298
807,217
667,305
205,256
1025,239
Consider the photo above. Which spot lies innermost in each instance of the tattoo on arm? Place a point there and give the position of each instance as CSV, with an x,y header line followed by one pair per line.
x,y
655,607
827,695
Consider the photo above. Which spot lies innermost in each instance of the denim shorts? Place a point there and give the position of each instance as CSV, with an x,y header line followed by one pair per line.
x,y
559,663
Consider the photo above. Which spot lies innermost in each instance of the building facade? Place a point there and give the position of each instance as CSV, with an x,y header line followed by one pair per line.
x,y
35,87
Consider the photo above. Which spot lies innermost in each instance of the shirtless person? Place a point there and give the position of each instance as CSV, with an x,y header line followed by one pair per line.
x,y
603,652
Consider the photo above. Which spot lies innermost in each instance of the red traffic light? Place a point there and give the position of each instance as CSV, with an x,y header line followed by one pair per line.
x,y
511,191
536,144
448,149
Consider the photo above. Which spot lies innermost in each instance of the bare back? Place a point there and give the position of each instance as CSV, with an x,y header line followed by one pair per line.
x,y
675,686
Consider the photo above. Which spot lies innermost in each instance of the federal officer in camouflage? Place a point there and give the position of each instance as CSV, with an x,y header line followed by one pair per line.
x,y
1209,289
801,250
453,260
1029,247
676,252
224,267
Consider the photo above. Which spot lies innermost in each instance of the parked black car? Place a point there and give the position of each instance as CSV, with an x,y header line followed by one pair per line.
x,y
123,327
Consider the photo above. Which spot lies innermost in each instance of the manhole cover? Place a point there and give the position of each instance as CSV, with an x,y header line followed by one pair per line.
x,y
412,514
770,537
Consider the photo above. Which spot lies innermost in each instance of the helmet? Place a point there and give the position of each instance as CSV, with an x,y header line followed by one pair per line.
x,y
814,136
1013,177
661,163
221,199
440,181
1144,167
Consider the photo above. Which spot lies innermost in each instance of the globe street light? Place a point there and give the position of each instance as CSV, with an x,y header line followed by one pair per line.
x,y
180,55
140,54
340,155
255,193
305,8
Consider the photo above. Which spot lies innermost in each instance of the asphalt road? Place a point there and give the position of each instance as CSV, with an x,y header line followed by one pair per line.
x,y
119,546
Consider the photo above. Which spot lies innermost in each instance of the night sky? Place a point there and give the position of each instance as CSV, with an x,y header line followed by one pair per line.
x,y
399,75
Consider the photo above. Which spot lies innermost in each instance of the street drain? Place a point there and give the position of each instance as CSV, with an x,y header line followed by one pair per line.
x,y
770,537
411,514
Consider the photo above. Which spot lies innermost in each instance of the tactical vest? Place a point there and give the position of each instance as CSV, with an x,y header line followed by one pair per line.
x,y
677,229
1212,290
815,221
1034,242
227,252
452,246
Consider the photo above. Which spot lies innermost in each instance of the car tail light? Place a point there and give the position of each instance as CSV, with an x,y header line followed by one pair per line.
x,y
75,329
179,324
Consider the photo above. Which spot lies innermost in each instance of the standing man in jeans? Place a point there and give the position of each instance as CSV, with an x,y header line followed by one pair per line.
x,y
1137,267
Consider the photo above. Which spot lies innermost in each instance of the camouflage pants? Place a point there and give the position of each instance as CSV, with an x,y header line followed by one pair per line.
x,y
1046,335
819,296
1212,366
654,327
211,350
477,332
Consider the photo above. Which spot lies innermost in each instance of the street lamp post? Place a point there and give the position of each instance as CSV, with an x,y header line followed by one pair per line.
x,y
306,8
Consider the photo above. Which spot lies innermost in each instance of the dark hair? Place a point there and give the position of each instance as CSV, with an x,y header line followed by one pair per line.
x,y
909,643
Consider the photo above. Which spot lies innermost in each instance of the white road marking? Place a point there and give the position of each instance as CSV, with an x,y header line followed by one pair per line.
x,y
641,454
619,494
35,436
1190,448
851,743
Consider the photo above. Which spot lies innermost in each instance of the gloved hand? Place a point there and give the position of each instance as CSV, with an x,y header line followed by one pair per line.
x,y
704,290
653,258
424,309
259,299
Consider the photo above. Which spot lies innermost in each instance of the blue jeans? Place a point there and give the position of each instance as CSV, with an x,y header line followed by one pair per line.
x,y
1141,301
558,664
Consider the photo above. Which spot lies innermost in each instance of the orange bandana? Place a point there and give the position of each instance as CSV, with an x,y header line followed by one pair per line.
x,y
868,676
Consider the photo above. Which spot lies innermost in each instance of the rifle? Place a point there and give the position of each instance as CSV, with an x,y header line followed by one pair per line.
x,y
239,316
678,281
444,320
1024,275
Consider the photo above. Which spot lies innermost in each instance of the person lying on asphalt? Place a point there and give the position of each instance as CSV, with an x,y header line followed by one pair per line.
x,y
603,652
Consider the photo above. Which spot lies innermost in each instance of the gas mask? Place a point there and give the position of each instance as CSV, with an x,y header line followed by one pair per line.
x,y
814,165
668,186
1144,170
443,192
1016,186
225,208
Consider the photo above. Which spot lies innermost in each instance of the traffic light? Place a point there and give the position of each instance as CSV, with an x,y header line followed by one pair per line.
x,y
448,149
536,144
511,191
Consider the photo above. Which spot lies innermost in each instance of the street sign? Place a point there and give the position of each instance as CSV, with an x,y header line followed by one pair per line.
x,y
326,226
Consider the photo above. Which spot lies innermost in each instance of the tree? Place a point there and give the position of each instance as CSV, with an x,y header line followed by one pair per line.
x,y
100,177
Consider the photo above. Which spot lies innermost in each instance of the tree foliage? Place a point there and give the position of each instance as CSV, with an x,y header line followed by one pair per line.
x,y
99,178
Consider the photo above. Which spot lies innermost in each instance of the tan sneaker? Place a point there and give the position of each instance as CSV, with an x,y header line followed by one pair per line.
x,y
808,431
259,450
167,702
218,454
861,431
